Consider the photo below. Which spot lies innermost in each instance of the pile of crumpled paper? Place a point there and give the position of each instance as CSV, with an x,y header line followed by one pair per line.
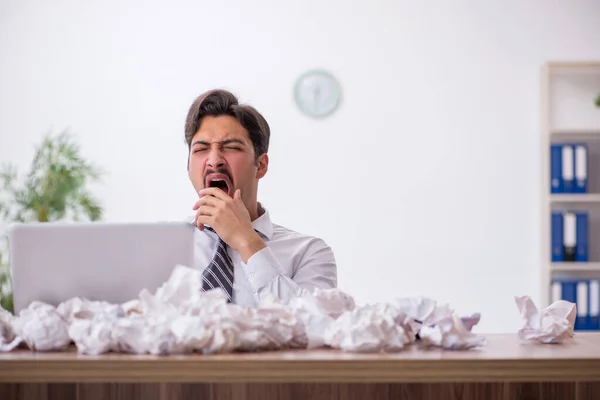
x,y
180,318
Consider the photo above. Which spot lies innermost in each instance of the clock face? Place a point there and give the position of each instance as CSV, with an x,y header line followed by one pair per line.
x,y
317,93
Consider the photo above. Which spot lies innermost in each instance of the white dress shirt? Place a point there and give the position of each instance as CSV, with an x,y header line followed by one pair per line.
x,y
290,261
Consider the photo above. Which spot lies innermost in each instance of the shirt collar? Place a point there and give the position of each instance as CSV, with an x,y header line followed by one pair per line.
x,y
262,224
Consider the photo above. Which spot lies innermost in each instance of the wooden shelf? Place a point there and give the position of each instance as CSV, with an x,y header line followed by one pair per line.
x,y
557,135
573,67
575,266
582,64
575,198
570,135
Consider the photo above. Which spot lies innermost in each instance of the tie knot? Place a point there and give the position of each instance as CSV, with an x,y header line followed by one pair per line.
x,y
208,228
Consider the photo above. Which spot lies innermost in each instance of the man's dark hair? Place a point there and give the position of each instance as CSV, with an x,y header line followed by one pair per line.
x,y
221,102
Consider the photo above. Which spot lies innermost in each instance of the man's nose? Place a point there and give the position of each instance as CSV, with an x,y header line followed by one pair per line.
x,y
215,158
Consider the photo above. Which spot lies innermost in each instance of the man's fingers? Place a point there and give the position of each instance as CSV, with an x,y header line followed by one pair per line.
x,y
205,210
207,200
201,220
237,195
216,192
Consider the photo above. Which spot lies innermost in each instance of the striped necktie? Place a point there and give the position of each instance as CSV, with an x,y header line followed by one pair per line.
x,y
219,273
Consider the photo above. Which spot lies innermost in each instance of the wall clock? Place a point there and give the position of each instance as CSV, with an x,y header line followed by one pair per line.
x,y
317,93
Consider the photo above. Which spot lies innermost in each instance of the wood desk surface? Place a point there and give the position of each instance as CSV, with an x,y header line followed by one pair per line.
x,y
504,358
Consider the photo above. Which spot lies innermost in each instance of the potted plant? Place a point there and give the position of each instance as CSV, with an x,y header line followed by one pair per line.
x,y
598,100
55,188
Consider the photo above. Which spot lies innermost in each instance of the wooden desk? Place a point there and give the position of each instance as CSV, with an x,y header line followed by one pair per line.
x,y
506,368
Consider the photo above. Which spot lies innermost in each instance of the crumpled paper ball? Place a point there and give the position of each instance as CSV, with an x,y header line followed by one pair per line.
x,y
42,328
553,324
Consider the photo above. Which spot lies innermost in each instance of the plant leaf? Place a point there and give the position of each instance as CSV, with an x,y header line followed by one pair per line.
x,y
57,176
54,188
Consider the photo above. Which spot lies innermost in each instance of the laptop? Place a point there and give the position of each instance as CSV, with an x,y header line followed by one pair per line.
x,y
55,261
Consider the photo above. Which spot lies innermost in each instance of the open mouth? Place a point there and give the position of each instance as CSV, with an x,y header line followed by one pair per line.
x,y
220,181
220,184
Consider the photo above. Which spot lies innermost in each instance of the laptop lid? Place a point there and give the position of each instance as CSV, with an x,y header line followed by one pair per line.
x,y
53,262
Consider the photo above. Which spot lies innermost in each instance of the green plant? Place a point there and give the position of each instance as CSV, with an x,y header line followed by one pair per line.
x,y
598,100
54,188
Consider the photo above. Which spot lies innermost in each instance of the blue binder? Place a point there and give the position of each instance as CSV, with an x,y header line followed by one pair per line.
x,y
583,301
582,236
585,293
593,322
581,168
568,168
556,229
569,290
556,180
569,236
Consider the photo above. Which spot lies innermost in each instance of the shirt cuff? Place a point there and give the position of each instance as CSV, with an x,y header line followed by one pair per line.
x,y
262,268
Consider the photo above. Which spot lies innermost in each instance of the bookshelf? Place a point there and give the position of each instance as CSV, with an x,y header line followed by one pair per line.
x,y
591,198
570,117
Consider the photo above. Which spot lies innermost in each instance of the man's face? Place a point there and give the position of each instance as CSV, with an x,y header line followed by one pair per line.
x,y
222,155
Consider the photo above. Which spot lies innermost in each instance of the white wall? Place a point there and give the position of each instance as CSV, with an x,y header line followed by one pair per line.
x,y
427,180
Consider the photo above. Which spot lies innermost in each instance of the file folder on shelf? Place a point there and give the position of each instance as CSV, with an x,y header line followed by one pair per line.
x,y
581,168
581,295
581,237
585,294
556,182
556,228
594,305
568,168
569,236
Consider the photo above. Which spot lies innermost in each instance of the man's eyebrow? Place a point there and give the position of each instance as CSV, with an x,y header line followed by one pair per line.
x,y
222,142
229,141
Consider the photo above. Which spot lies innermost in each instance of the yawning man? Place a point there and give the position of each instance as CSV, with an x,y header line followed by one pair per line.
x,y
238,248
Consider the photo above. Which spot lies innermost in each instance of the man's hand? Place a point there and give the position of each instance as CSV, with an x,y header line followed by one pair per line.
x,y
230,219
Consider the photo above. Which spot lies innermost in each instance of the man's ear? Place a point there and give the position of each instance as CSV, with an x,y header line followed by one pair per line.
x,y
263,165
